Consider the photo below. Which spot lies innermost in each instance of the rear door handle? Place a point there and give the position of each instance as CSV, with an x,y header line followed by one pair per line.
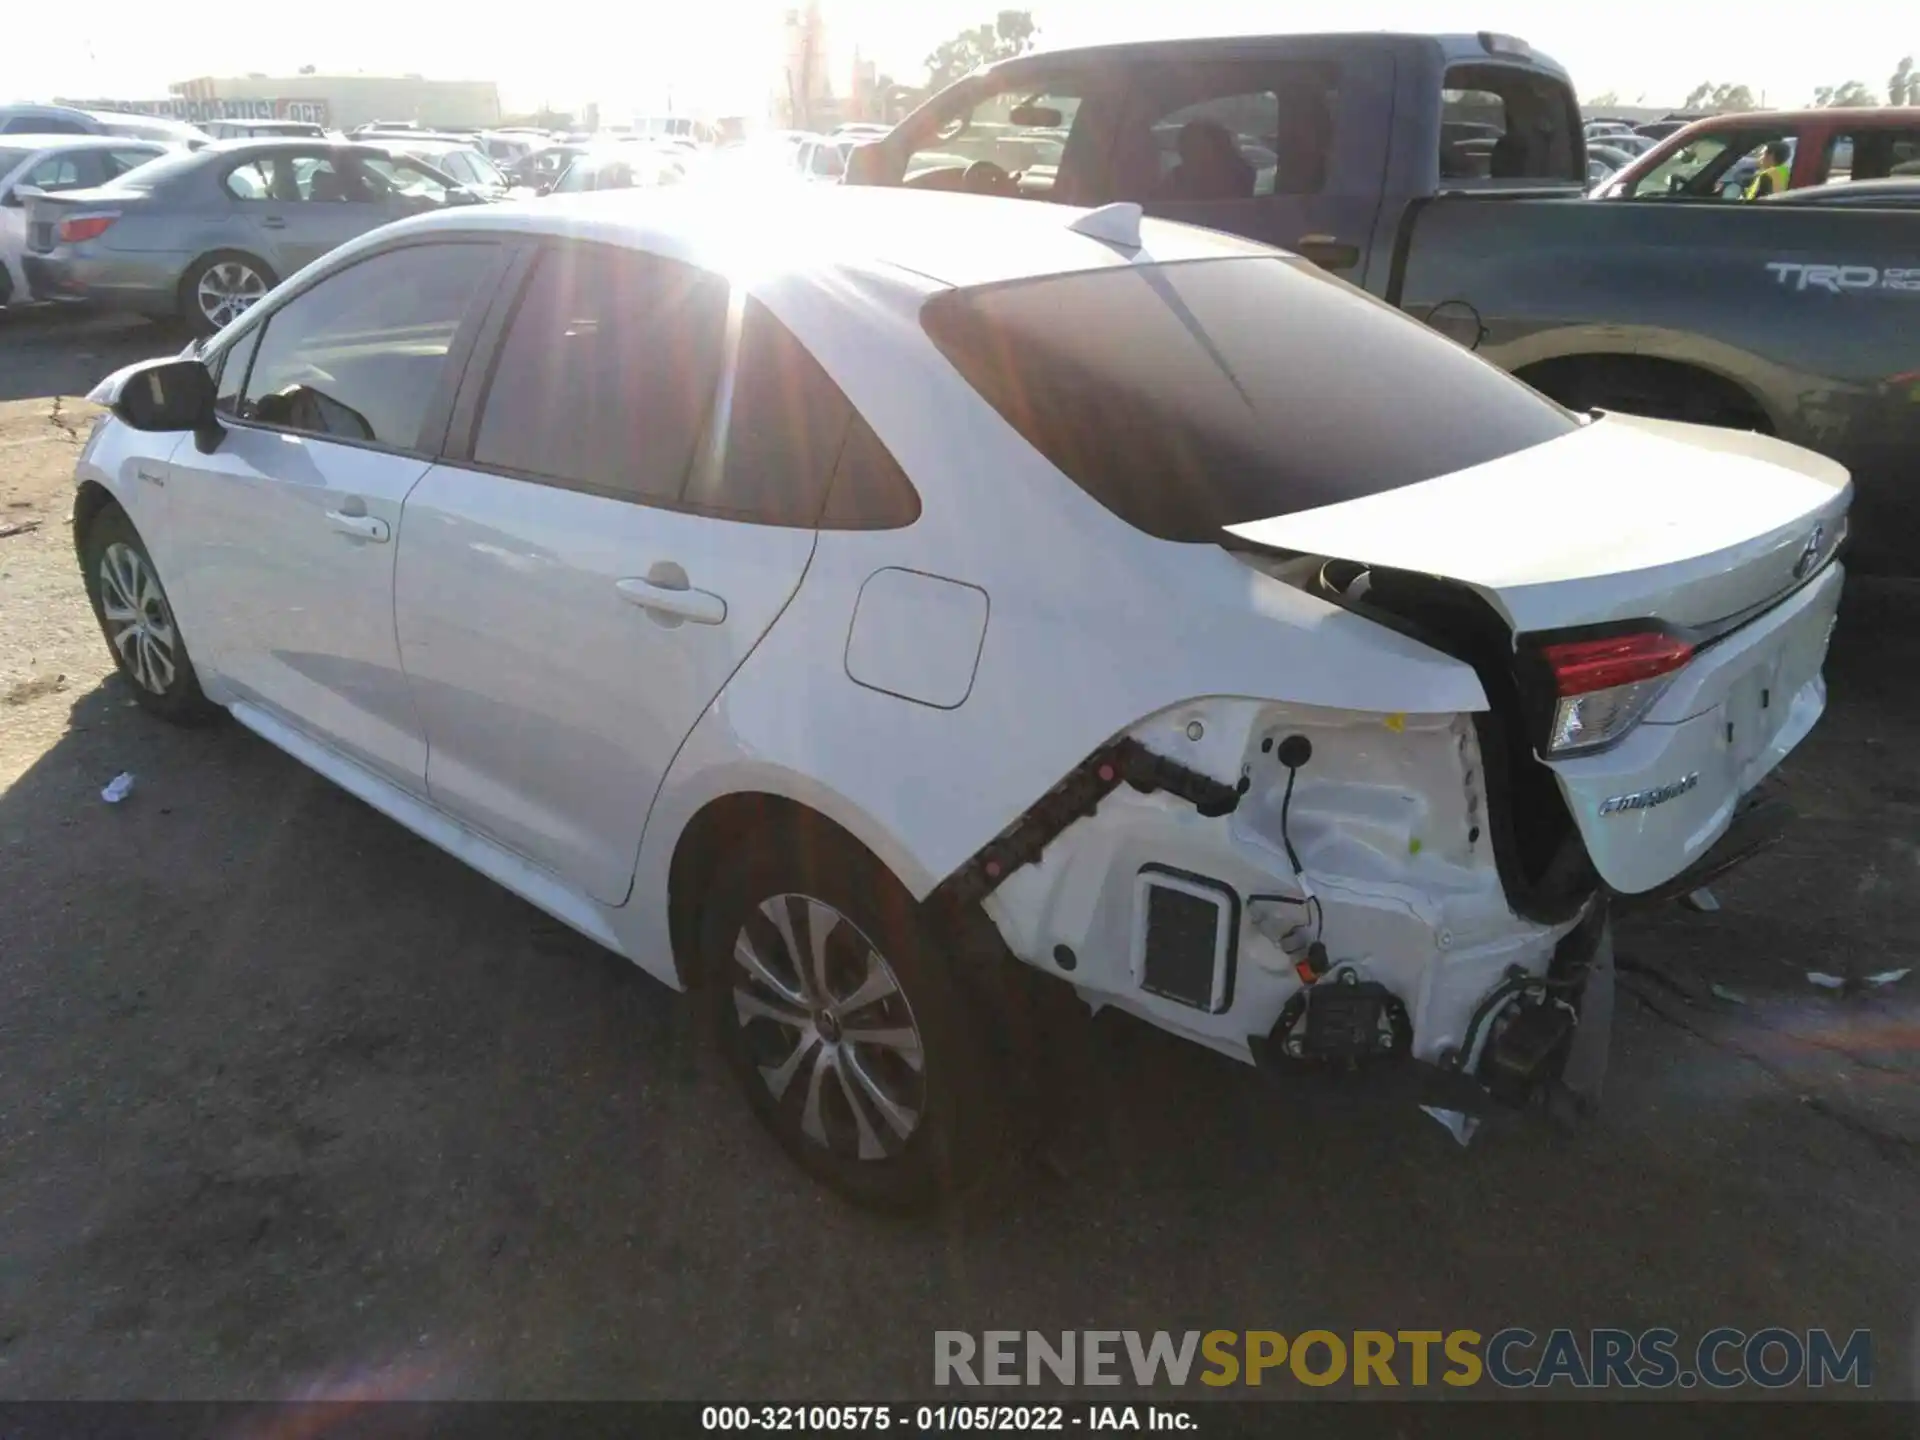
x,y
273,222
1327,251
676,602
361,527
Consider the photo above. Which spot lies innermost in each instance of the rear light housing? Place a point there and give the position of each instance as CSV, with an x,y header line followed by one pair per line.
x,y
1603,687
76,228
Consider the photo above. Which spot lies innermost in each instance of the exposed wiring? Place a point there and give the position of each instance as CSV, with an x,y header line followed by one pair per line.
x,y
1286,807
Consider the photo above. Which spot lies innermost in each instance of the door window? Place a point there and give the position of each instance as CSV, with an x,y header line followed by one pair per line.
x,y
292,180
361,355
230,370
607,374
1229,132
1712,167
65,172
1876,154
1024,131
1502,122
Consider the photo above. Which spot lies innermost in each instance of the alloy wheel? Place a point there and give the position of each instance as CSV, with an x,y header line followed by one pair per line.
x,y
828,1028
228,290
139,624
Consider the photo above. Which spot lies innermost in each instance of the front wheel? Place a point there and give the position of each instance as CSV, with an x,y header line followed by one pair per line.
x,y
137,620
220,288
841,1023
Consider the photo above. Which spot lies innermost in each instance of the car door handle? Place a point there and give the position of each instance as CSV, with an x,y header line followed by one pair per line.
x,y
361,527
1327,251
676,601
273,222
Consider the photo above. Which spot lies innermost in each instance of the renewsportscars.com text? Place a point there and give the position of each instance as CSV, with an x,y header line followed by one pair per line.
x,y
1513,1358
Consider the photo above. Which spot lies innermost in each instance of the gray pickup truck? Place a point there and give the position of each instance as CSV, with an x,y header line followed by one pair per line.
x,y
1444,174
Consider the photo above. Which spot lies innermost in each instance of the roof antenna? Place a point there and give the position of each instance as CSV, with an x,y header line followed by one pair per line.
x,y
1117,224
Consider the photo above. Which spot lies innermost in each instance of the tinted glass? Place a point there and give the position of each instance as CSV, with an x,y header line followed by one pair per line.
x,y
607,374
403,180
1189,397
1229,132
870,491
787,423
361,355
292,179
1500,123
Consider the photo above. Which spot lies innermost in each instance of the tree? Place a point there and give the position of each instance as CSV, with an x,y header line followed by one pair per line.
x,y
1904,87
1709,96
1851,93
1606,100
1011,33
306,69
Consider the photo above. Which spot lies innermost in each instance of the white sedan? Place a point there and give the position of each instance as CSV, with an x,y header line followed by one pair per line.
x,y
874,619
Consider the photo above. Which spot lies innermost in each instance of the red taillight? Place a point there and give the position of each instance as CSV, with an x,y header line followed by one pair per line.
x,y
84,227
1583,666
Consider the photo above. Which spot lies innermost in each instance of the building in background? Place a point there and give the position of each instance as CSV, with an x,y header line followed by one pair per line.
x,y
353,99
804,97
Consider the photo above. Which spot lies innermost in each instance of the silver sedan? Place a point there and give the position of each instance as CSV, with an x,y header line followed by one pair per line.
x,y
202,236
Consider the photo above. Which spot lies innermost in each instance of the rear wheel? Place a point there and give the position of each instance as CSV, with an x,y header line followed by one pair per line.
x,y
840,1020
137,620
221,287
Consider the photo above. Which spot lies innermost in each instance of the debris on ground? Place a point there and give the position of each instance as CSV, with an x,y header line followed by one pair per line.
x,y
1889,977
18,527
118,788
1877,981
1732,997
1702,901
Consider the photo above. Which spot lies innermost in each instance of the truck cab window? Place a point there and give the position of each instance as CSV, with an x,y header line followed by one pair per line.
x,y
1500,122
1230,131
1876,154
1014,141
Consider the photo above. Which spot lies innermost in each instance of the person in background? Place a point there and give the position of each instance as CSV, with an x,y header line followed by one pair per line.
x,y
1772,177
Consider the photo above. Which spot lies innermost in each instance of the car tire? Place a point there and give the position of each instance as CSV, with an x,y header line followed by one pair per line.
x,y
867,1066
138,622
231,273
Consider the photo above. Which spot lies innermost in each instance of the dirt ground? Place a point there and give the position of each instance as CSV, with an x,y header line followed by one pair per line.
x,y
289,1099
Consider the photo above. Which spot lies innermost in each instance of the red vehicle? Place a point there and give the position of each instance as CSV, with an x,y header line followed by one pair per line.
x,y
1717,158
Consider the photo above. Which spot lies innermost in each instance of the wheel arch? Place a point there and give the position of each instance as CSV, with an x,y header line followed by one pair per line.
x,y
1689,389
90,501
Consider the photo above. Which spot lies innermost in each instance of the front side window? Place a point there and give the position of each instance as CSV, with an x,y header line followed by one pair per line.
x,y
1023,131
1727,165
231,371
1503,122
1189,397
291,180
361,355
607,374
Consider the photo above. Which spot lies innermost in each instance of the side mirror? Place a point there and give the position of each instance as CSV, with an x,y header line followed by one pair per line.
x,y
12,201
170,395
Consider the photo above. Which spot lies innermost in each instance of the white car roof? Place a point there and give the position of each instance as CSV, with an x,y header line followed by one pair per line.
x,y
954,240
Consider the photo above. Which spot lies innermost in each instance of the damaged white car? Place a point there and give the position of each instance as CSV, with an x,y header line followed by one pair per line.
x,y
827,616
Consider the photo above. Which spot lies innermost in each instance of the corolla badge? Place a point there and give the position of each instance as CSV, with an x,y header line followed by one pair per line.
x,y
1647,799
1809,555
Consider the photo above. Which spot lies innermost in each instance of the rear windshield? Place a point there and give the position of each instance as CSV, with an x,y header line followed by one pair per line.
x,y
155,173
1193,396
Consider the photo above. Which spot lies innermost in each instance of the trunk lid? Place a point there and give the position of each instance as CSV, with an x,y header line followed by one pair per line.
x,y
1720,537
46,210
1622,519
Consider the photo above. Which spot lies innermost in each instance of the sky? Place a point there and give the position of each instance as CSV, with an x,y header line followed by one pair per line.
x,y
719,55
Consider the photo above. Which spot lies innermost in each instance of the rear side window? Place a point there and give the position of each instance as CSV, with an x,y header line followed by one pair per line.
x,y
1189,397
607,374
797,452
1502,122
1228,131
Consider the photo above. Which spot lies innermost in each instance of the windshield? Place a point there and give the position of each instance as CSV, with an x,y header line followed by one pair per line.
x,y
1190,397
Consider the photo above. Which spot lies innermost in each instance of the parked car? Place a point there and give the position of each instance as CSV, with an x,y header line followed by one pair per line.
x,y
538,169
65,120
1715,158
202,236
505,147
1699,312
780,626
263,129
822,158
618,167
50,164
458,159
1608,155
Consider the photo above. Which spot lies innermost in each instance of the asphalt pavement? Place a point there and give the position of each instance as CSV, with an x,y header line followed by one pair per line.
x,y
290,1100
